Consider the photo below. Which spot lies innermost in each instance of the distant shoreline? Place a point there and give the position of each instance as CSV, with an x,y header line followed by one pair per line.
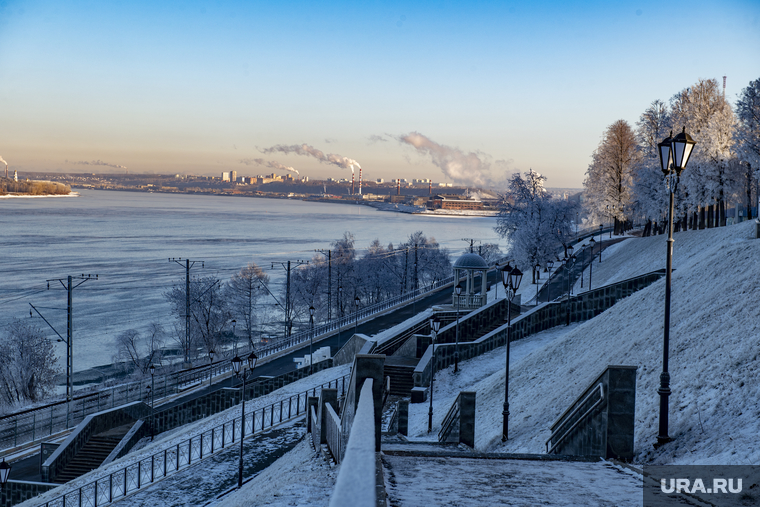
x,y
37,196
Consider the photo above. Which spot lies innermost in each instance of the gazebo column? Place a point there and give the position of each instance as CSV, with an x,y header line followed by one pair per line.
x,y
483,287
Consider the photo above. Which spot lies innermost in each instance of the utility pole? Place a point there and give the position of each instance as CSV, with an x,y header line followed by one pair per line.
x,y
416,279
288,305
329,282
69,331
188,265
472,244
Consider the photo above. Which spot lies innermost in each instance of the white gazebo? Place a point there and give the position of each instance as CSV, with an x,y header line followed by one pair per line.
x,y
469,265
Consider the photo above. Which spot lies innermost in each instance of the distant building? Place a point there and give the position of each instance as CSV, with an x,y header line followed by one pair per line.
x,y
225,176
454,202
379,180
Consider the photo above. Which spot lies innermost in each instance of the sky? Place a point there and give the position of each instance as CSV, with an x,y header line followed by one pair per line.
x,y
464,92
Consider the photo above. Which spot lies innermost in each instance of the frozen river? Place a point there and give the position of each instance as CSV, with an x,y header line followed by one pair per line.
x,y
126,238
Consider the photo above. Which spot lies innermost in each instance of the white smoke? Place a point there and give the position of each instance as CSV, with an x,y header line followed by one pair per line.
x,y
3,161
97,162
268,163
310,151
461,167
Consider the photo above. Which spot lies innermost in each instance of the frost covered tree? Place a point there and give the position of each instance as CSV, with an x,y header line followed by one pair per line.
x,y
243,291
28,365
747,137
609,178
534,224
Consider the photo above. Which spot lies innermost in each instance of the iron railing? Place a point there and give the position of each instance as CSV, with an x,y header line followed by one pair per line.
x,y
571,420
450,422
332,434
143,472
42,422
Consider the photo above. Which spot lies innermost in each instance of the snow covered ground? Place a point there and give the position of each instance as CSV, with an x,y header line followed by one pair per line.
x,y
298,478
714,360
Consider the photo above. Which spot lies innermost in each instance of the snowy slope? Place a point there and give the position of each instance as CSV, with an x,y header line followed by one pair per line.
x,y
714,356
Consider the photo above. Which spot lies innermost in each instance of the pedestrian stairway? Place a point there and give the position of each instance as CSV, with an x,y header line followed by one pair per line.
x,y
94,452
401,371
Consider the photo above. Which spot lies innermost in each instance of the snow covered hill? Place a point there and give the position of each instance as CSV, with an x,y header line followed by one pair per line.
x,y
714,354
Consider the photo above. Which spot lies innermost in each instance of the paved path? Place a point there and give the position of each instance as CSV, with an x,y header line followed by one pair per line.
x,y
463,482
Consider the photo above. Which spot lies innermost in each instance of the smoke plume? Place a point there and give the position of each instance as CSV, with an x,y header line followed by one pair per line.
x,y
464,168
97,162
268,163
310,151
3,161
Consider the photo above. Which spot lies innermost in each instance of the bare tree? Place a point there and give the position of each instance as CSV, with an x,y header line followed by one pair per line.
x,y
136,352
748,137
27,364
243,291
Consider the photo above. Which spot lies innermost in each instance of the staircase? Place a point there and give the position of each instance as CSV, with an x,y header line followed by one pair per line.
x,y
401,371
94,452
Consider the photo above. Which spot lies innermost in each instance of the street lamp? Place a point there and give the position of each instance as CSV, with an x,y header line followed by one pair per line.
x,y
234,336
5,472
152,369
583,262
601,239
356,324
311,338
435,325
340,306
591,242
458,290
550,265
236,364
569,263
511,278
674,155
211,363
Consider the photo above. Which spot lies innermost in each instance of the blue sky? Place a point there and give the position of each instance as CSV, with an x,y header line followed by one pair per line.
x,y
194,87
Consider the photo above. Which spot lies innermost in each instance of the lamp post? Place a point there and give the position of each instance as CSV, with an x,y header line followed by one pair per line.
x,y
592,242
601,226
511,278
538,278
458,290
152,369
583,262
550,265
234,336
311,338
569,263
210,365
356,323
340,306
435,325
5,472
236,364
674,155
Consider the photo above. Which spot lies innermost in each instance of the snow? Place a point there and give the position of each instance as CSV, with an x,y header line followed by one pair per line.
x,y
714,363
472,482
300,477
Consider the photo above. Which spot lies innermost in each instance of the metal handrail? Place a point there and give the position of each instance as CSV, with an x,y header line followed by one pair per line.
x,y
143,472
448,421
43,421
578,406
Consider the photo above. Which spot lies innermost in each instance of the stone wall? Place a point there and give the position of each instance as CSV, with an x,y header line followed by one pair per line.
x,y
16,492
601,420
544,316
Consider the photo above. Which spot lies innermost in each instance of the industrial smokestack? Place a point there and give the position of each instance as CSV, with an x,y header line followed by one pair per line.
x,y
398,186
430,187
352,183
360,181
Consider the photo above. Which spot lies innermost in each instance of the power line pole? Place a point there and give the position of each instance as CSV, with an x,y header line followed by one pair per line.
x,y
416,280
188,264
69,331
288,304
329,282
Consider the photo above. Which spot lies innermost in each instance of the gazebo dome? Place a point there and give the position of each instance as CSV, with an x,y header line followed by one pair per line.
x,y
470,261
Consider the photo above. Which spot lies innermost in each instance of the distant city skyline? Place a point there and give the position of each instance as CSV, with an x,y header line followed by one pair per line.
x,y
456,92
